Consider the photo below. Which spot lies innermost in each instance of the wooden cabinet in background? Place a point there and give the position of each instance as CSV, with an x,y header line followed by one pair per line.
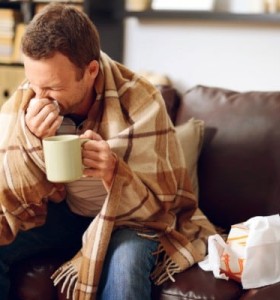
x,y
10,77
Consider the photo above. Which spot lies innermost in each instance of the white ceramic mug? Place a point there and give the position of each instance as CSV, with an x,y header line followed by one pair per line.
x,y
63,157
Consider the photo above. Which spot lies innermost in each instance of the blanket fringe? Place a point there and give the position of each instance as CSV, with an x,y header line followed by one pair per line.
x,y
165,267
164,270
69,275
158,252
149,236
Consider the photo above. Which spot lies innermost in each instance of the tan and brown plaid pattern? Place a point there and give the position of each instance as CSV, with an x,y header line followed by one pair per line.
x,y
151,188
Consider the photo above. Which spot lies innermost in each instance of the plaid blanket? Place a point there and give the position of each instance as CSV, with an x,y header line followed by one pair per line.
x,y
151,190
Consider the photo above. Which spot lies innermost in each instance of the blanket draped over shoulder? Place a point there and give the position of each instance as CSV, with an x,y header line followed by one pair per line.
x,y
151,191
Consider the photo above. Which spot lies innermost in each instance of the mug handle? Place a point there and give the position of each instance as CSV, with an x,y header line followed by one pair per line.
x,y
84,140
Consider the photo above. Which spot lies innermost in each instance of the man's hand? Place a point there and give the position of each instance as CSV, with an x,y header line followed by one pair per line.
x,y
42,117
99,160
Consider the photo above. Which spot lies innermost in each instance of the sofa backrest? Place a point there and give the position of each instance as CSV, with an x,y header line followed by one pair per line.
x,y
239,166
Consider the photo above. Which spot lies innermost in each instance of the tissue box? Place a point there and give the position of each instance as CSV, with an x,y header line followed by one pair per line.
x,y
232,259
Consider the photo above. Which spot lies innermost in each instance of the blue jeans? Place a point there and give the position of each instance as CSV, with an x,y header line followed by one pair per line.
x,y
127,265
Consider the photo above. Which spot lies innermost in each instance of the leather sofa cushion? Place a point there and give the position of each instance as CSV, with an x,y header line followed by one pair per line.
x,y
195,283
172,100
31,277
239,166
270,292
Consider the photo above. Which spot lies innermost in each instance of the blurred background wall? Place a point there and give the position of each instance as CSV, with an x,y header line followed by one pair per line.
x,y
239,55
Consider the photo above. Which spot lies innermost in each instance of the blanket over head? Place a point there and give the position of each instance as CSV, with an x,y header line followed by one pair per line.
x,y
151,191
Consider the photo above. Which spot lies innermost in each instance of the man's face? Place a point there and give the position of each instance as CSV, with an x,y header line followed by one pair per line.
x,y
56,78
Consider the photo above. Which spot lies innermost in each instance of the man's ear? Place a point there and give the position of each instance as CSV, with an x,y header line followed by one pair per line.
x,y
93,68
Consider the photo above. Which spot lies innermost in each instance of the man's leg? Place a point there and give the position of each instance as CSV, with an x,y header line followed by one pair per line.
x,y
62,229
127,267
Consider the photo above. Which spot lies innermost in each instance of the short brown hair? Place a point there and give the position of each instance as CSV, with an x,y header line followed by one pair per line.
x,y
65,29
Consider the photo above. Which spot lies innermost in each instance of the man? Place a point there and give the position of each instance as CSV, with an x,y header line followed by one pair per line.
x,y
135,197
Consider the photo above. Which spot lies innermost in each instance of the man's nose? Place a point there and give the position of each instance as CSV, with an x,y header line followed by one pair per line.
x,y
40,93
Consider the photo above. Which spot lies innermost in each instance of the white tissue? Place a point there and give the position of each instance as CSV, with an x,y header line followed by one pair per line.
x,y
34,100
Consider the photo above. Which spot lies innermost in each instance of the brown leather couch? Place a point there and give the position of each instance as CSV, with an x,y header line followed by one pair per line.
x,y
239,177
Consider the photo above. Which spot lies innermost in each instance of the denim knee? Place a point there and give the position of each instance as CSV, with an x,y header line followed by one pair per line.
x,y
127,268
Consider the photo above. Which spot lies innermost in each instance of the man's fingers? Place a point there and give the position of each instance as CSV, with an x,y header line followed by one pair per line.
x,y
90,134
